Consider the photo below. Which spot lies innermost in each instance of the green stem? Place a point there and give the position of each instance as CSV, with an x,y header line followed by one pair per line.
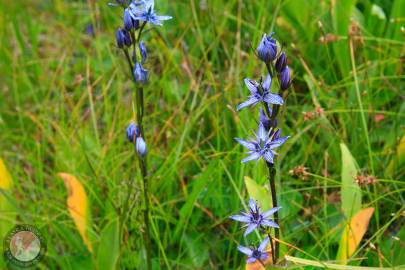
x,y
272,247
272,182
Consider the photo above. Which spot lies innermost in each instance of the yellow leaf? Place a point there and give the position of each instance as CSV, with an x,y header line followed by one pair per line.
x,y
353,233
77,205
5,178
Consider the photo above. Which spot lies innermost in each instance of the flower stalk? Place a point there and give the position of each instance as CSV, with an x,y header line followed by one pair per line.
x,y
265,141
137,14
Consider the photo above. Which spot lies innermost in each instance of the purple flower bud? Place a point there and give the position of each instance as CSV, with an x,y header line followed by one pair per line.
x,y
132,132
267,49
140,146
284,78
122,38
130,23
281,62
140,74
143,51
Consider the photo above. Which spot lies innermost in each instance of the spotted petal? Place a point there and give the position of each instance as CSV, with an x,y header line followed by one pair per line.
x,y
245,250
273,99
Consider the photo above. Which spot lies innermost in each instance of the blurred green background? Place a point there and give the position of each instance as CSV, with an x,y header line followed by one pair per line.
x,y
66,98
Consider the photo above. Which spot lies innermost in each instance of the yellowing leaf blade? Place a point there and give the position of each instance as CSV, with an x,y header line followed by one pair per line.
x,y
353,233
5,177
77,205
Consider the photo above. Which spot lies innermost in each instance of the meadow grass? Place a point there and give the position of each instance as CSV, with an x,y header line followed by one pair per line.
x,y
66,98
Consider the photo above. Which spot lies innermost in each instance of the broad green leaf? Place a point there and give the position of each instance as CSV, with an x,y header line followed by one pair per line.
x,y
350,192
77,205
258,193
109,248
353,233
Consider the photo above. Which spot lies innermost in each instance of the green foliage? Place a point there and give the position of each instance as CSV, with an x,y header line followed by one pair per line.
x,y
65,100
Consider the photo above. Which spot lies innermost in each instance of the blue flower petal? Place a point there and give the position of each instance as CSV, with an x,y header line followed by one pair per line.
x,y
253,156
263,244
273,99
240,218
270,212
276,143
251,85
269,223
251,101
250,228
245,250
249,145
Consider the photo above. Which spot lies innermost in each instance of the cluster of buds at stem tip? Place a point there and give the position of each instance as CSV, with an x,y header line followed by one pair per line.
x,y
134,136
267,52
123,38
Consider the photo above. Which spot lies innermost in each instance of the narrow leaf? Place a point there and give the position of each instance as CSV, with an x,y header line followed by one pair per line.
x,y
108,248
351,192
353,233
77,205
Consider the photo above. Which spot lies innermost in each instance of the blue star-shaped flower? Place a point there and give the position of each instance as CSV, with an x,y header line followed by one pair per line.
x,y
255,218
260,92
262,146
258,253
144,11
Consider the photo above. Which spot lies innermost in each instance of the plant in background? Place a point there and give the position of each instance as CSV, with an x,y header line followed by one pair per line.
x,y
136,15
264,142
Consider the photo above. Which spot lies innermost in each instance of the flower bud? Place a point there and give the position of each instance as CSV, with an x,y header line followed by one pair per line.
x,y
140,74
132,132
129,22
122,38
281,62
267,49
140,146
284,78
143,51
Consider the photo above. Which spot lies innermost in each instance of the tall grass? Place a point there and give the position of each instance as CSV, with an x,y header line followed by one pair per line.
x,y
64,105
